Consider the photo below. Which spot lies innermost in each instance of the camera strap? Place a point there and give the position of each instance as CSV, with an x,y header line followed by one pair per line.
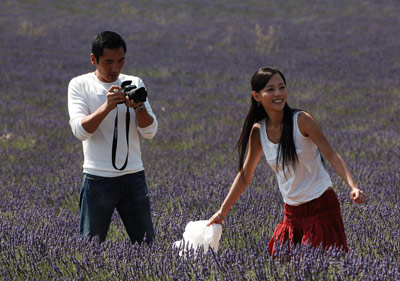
x,y
115,139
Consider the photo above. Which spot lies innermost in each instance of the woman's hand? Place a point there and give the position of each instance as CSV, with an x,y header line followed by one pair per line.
x,y
357,196
216,218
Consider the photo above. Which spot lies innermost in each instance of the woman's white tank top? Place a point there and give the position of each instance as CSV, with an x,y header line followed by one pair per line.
x,y
309,180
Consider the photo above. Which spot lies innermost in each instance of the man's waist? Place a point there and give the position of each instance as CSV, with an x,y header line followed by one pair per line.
x,y
107,170
92,173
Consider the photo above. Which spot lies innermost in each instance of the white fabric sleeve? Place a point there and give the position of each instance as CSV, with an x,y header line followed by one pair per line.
x,y
78,109
150,131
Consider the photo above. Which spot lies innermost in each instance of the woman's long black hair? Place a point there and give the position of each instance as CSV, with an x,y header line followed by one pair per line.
x,y
286,150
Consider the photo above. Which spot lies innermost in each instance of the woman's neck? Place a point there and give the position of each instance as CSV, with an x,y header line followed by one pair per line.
x,y
275,118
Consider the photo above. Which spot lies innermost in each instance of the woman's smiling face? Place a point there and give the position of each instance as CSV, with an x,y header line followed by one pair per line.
x,y
274,95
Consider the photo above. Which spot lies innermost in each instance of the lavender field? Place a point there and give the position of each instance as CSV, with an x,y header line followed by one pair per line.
x,y
196,57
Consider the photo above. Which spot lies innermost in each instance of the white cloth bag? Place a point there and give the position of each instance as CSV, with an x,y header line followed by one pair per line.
x,y
198,234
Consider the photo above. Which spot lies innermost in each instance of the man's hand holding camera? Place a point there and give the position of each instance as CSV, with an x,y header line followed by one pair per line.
x,y
129,94
115,96
135,98
137,106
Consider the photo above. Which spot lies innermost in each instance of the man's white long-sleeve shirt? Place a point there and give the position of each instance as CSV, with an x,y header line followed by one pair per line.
x,y
86,93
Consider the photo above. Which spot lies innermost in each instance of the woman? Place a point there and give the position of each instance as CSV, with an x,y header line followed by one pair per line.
x,y
292,142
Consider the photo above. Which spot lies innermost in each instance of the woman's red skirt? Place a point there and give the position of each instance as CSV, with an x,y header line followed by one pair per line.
x,y
317,223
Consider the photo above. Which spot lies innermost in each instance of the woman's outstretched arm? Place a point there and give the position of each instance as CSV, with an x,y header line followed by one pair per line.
x,y
309,128
243,178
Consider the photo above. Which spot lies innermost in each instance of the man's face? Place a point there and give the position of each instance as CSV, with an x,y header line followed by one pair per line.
x,y
110,64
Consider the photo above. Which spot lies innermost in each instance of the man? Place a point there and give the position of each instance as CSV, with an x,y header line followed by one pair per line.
x,y
98,107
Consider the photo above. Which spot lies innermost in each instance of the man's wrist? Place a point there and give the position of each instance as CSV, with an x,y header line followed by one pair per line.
x,y
139,108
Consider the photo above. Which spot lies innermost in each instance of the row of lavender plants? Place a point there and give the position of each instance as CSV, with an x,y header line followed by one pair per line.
x,y
342,63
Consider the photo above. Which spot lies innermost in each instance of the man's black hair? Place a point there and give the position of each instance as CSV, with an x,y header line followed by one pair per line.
x,y
108,40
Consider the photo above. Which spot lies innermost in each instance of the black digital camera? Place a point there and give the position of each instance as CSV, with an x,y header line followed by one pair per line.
x,y
134,93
